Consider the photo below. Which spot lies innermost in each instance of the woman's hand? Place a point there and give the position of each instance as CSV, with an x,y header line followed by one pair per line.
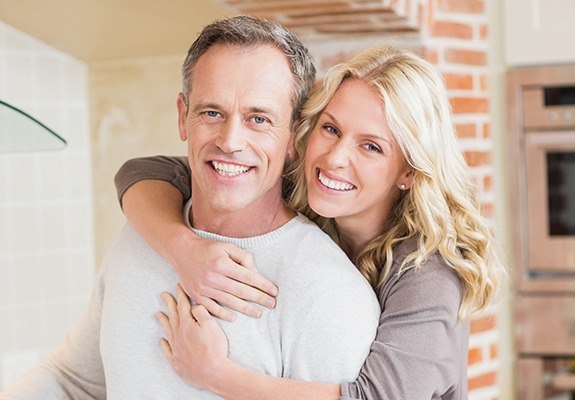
x,y
195,345
218,275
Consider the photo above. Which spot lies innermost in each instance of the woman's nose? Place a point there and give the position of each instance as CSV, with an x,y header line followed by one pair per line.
x,y
339,154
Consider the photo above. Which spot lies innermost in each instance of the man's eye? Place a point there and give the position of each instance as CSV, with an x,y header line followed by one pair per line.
x,y
212,114
259,120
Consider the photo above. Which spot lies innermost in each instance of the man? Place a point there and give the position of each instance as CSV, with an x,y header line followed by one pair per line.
x,y
243,87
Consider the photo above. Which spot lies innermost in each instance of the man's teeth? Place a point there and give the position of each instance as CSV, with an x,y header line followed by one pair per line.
x,y
229,169
335,185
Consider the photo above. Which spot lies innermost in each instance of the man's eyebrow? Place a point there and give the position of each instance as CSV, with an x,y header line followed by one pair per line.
x,y
264,110
204,106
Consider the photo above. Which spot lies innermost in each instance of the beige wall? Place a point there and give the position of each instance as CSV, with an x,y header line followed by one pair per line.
x,y
46,253
133,114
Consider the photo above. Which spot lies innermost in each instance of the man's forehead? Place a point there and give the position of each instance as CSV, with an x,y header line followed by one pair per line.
x,y
257,77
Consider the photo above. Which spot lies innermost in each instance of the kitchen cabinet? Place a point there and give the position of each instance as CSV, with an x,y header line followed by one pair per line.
x,y
539,32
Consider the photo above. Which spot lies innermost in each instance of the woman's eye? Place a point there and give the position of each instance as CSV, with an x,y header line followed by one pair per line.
x,y
372,148
330,129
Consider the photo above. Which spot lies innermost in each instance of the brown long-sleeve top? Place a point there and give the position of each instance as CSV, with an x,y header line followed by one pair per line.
x,y
420,349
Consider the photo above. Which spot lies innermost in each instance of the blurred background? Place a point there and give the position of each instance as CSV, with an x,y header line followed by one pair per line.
x,y
105,75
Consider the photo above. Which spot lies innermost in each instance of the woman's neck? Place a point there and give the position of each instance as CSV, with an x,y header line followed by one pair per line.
x,y
353,241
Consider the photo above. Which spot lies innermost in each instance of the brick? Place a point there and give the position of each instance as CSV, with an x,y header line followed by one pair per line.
x,y
486,131
487,210
314,21
474,356
483,324
470,105
468,57
483,83
452,30
458,81
483,32
465,130
478,158
431,56
482,381
286,6
462,6
494,351
487,183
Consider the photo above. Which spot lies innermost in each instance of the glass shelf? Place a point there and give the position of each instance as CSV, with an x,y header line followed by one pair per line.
x,y
21,132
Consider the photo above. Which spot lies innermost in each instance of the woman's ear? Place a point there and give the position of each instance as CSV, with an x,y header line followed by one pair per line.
x,y
405,181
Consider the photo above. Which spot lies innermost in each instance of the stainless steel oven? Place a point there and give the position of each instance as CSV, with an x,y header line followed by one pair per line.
x,y
541,138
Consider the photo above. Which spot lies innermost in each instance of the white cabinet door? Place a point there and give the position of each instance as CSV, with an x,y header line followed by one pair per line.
x,y
539,31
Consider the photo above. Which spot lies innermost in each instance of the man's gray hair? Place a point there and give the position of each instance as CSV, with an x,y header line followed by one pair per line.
x,y
246,31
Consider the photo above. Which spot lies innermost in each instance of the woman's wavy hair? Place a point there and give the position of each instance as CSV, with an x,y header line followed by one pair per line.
x,y
441,209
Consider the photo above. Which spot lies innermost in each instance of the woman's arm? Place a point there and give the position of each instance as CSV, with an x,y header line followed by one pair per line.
x,y
201,359
152,191
420,350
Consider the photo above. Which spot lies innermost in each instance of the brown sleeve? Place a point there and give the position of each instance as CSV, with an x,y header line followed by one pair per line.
x,y
420,349
175,170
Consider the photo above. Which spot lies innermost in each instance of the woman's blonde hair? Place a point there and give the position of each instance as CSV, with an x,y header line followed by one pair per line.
x,y
441,209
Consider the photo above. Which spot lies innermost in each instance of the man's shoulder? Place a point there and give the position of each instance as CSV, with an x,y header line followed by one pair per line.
x,y
128,251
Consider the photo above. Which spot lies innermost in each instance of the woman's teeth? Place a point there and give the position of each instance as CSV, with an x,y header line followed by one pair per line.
x,y
335,185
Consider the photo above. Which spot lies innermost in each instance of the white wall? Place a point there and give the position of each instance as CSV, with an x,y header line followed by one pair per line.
x,y
46,243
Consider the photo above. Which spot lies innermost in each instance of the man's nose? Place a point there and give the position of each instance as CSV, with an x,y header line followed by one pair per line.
x,y
338,155
231,138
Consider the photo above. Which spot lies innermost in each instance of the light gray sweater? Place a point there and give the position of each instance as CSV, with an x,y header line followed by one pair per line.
x,y
322,328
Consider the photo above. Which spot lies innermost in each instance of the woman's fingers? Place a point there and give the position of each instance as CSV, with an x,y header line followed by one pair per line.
x,y
230,301
217,310
249,275
201,315
242,257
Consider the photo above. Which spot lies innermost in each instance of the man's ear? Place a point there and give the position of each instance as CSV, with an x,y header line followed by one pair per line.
x,y
182,113
291,149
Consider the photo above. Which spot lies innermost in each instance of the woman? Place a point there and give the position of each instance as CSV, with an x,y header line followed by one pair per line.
x,y
378,169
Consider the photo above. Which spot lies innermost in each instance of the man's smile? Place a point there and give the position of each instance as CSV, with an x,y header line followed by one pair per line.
x,y
226,169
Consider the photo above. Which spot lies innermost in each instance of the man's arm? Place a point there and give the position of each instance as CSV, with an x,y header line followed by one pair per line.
x,y
74,371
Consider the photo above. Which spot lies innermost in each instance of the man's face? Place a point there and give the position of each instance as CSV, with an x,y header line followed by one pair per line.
x,y
237,125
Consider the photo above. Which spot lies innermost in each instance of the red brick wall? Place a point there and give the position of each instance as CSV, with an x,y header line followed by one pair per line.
x,y
453,35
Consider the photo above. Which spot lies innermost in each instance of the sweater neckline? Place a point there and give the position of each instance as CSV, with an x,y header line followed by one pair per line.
x,y
247,242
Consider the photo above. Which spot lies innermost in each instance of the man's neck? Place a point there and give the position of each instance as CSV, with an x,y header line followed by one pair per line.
x,y
254,220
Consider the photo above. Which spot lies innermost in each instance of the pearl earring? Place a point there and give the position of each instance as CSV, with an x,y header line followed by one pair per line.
x,y
402,186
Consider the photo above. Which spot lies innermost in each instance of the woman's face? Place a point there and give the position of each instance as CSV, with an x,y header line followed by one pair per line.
x,y
353,164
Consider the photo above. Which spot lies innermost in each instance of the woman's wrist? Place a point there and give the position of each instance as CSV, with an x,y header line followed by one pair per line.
x,y
177,236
